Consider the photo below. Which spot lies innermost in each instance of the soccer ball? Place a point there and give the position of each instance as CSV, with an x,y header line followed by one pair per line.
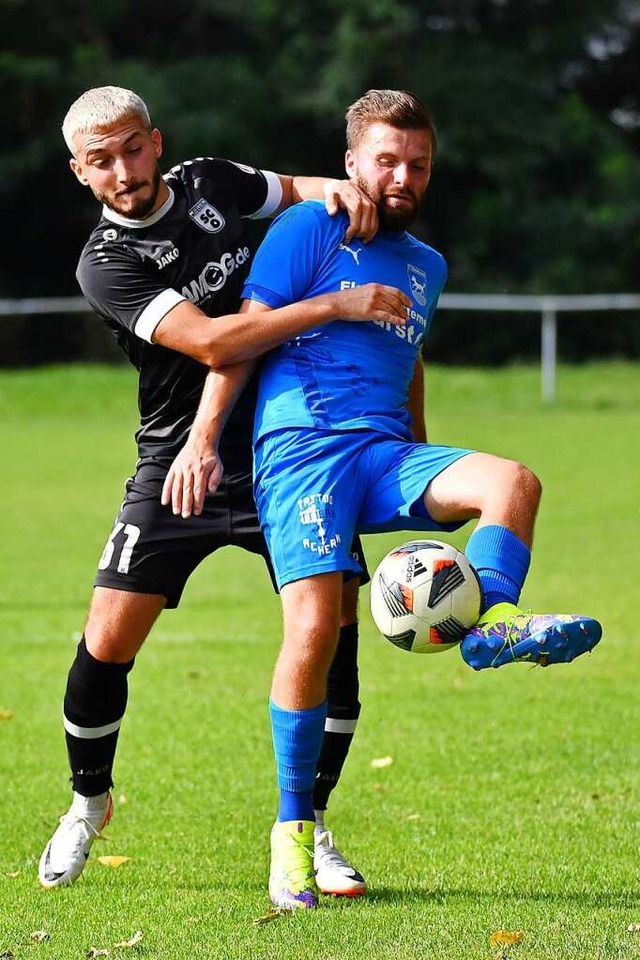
x,y
425,596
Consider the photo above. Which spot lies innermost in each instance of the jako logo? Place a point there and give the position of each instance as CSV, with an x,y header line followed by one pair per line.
x,y
215,275
165,259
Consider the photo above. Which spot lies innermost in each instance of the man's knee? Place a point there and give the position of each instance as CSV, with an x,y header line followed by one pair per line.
x,y
311,609
524,483
119,622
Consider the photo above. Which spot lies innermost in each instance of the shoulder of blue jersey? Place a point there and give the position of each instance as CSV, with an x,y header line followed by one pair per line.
x,y
312,211
436,261
310,222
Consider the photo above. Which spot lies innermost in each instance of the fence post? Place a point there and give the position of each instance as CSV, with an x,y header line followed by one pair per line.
x,y
548,348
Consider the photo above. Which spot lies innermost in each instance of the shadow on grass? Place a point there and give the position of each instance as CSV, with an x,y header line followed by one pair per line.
x,y
390,896
588,899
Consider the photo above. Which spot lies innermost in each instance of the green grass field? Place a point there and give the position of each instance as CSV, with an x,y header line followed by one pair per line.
x,y
512,802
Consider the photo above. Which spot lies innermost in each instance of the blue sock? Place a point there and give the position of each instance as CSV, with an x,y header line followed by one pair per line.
x,y
297,741
501,561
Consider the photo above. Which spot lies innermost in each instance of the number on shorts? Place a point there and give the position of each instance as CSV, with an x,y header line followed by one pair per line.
x,y
131,536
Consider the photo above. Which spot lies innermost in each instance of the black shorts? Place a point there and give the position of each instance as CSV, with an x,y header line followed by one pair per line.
x,y
150,550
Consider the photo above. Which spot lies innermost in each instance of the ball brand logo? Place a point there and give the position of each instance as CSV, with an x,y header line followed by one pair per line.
x,y
205,215
415,568
215,275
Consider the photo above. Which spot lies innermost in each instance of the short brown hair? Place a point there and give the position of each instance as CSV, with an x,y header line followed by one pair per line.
x,y
398,108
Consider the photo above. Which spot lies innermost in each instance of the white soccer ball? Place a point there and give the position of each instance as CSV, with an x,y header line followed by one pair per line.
x,y
425,596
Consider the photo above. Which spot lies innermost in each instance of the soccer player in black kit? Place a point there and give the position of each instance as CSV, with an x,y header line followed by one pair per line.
x,y
167,255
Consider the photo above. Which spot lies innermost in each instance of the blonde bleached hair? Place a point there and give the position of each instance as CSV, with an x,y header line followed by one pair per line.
x,y
100,108
398,108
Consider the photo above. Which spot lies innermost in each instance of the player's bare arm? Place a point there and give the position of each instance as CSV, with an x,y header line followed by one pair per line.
x,y
218,342
338,195
415,404
197,469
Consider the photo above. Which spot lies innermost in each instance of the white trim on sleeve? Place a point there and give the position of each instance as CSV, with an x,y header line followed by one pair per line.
x,y
274,196
155,311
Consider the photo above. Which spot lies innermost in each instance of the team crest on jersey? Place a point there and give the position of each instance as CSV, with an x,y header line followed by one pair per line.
x,y
418,284
206,216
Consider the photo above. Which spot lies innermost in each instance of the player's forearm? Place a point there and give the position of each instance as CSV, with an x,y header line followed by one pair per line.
x,y
415,404
221,341
298,188
308,188
219,394
235,339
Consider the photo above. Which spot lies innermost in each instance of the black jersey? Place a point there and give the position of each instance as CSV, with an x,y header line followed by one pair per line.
x,y
132,272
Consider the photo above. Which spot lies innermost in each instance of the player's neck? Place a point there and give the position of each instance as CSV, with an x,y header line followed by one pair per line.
x,y
159,210
163,195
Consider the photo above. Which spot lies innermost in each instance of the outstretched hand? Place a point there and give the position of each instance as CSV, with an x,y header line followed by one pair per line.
x,y
374,301
194,473
362,211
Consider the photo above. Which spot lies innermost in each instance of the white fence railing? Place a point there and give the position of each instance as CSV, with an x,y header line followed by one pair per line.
x,y
547,306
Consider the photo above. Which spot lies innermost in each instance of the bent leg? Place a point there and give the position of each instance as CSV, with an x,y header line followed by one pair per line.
x,y
504,495
495,490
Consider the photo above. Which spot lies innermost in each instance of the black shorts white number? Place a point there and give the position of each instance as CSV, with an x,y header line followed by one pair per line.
x,y
150,550
124,546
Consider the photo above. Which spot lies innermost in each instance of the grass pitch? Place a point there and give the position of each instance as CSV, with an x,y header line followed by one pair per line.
x,y
511,803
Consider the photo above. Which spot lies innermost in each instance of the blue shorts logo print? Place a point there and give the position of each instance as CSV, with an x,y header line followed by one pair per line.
x,y
317,510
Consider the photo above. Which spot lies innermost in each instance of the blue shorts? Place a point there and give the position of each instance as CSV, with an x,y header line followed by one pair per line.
x,y
315,489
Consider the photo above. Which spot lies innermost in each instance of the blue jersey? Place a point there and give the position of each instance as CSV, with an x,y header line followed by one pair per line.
x,y
343,375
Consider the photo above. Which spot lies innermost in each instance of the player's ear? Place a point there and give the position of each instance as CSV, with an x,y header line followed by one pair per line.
x,y
156,140
78,169
350,164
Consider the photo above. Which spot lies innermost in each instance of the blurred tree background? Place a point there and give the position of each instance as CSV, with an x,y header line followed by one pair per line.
x,y
536,187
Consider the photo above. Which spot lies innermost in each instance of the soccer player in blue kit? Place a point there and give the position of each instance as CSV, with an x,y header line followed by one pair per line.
x,y
340,448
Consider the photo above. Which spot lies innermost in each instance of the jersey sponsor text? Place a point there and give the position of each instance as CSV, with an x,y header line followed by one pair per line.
x,y
215,275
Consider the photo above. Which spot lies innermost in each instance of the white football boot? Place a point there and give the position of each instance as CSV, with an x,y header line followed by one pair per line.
x,y
334,874
66,854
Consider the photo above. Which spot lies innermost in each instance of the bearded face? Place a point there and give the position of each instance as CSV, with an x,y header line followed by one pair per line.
x,y
393,168
120,165
135,201
397,206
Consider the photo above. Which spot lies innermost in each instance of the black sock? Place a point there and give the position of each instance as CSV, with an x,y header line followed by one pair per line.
x,y
343,710
94,705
